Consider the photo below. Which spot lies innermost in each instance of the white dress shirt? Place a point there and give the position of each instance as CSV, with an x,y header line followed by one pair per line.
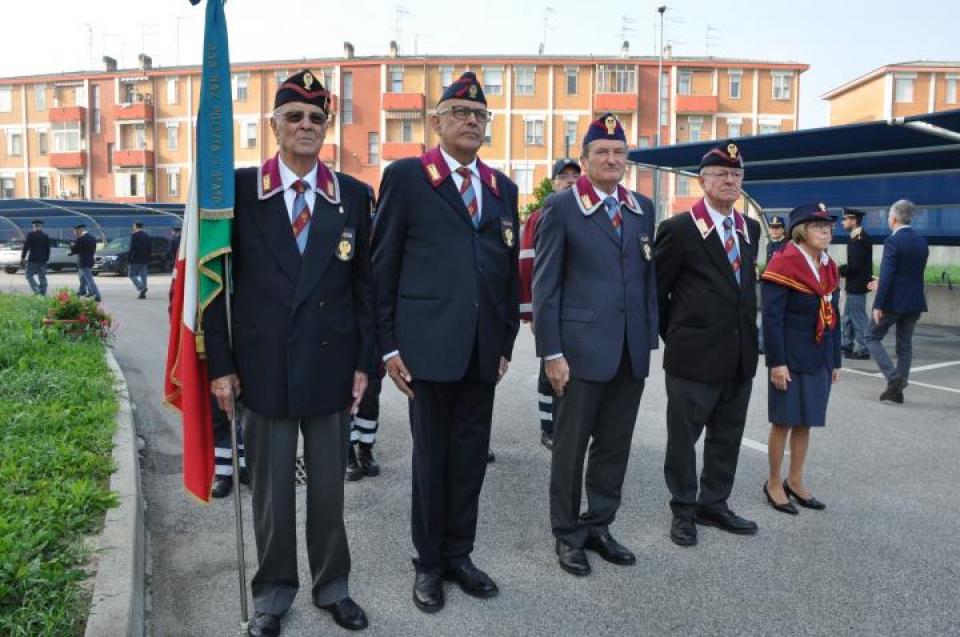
x,y
287,176
718,222
453,164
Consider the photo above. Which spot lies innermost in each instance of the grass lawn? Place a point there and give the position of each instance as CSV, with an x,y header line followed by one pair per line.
x,y
57,409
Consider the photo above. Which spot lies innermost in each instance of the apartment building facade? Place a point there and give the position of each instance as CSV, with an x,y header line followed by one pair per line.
x,y
896,90
129,135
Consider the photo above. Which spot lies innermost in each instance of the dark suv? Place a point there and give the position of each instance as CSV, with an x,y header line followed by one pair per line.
x,y
112,257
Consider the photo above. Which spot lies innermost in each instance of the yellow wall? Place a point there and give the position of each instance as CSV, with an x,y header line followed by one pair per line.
x,y
861,104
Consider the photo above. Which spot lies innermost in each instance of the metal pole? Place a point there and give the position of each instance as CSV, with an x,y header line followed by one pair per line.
x,y
656,171
237,504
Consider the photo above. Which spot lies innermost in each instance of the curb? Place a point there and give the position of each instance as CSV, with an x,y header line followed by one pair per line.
x,y
118,592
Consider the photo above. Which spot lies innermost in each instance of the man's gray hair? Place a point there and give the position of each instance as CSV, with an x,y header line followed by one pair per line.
x,y
903,210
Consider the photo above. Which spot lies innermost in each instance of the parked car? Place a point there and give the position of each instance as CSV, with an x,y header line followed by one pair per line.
x,y
60,257
112,257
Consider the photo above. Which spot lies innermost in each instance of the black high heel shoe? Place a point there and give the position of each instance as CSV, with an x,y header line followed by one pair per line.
x,y
786,508
811,503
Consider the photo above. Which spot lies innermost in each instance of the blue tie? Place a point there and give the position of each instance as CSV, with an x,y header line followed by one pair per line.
x,y
730,245
468,195
301,215
613,211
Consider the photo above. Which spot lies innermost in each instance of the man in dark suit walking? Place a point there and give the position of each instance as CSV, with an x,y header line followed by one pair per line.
x,y
899,299
301,352
36,254
138,258
85,247
595,299
706,269
858,271
445,268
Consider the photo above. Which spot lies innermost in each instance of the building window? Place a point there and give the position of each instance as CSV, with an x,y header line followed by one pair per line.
x,y
736,84
139,136
395,79
696,128
43,145
8,187
523,79
685,82
683,186
533,132
572,75
903,89
280,76
6,99
616,78
95,116
373,148
241,86
14,144
493,80
488,133
171,90
523,177
347,114
173,183
406,131
110,147
40,97
733,127
781,85
645,142
570,133
128,92
43,186
249,139
66,137
664,99
446,77
133,182
173,137
327,79
769,126
951,91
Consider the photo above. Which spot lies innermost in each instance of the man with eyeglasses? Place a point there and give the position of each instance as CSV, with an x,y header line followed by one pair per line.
x,y
445,272
595,303
706,269
301,350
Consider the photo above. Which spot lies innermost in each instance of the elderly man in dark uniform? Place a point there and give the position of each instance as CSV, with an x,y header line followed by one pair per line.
x,y
595,299
85,247
138,258
301,351
858,271
706,269
445,268
36,255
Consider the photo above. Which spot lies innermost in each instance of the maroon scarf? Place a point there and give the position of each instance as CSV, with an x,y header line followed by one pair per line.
x,y
791,269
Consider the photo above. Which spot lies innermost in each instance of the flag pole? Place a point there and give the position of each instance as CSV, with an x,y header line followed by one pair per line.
x,y
234,448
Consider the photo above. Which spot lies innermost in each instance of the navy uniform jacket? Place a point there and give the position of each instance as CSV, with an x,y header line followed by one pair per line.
x,y
37,245
595,292
900,289
84,247
858,270
789,330
708,321
443,287
173,249
773,247
139,248
301,324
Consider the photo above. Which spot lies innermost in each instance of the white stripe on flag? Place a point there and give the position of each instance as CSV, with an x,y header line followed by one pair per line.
x,y
528,253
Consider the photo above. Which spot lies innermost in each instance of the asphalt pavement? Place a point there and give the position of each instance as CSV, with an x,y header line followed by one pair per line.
x,y
883,559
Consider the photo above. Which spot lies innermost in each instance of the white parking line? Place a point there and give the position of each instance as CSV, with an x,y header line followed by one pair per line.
x,y
913,383
934,366
753,444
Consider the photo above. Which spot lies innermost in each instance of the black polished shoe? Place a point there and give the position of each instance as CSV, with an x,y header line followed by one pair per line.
x,y
143,294
366,461
786,508
428,592
346,613
264,625
609,549
354,471
472,580
244,476
858,356
891,395
572,559
491,457
807,503
546,440
683,531
222,486
728,521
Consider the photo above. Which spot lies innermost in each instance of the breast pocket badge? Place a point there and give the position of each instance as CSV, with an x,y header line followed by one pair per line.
x,y
645,247
506,226
345,247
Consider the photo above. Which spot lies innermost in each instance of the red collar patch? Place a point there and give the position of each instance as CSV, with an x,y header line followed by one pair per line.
x,y
704,222
588,200
437,170
270,183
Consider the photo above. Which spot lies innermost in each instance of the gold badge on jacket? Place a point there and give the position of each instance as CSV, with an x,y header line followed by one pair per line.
x,y
345,247
506,225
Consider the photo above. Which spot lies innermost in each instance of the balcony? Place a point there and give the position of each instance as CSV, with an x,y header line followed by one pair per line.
x,y
403,101
60,114
697,104
136,111
399,150
69,161
615,102
328,153
133,158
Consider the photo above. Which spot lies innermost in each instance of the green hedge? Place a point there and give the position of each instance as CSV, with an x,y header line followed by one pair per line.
x,y
57,409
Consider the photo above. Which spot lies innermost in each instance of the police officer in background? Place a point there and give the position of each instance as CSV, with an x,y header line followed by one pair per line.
x,y
777,238
138,258
36,254
85,247
858,271
174,248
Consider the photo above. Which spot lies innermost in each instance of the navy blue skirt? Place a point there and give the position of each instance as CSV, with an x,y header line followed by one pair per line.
x,y
805,401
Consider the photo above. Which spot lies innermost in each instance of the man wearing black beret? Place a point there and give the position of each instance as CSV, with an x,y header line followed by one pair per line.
x,y
301,351
445,270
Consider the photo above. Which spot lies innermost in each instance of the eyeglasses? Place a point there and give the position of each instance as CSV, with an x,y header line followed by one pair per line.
x,y
723,175
295,117
463,113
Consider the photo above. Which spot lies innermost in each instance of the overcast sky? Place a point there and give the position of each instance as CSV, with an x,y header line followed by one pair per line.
x,y
839,39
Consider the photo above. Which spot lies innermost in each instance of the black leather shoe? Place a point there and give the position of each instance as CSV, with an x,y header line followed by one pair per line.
x,y
807,503
891,395
728,521
354,471
491,457
683,531
347,614
572,559
472,580
244,476
858,356
546,440
143,294
428,592
786,508
264,625
222,486
609,549
365,460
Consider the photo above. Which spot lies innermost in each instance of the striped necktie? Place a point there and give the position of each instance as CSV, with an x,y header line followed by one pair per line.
x,y
730,245
468,194
301,214
613,211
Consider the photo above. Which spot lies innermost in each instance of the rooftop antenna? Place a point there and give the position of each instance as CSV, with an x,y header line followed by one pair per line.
x,y
89,28
627,27
179,19
400,13
711,39
547,12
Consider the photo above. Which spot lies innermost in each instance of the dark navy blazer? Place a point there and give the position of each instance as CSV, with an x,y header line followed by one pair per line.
x,y
900,289
790,327
38,246
139,248
84,247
